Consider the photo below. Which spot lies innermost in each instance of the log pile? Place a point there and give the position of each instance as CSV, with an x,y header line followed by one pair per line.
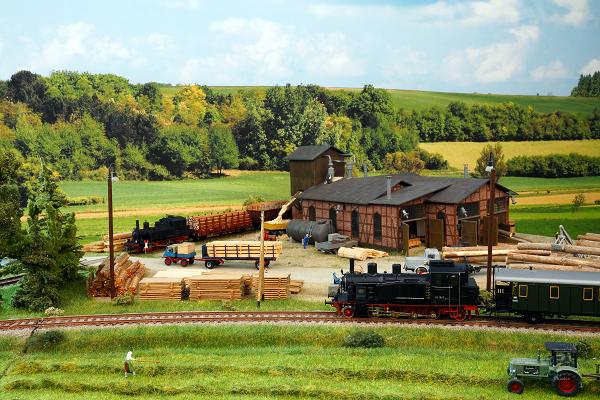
x,y
276,286
414,243
242,249
584,256
103,246
476,254
217,287
360,253
127,273
161,288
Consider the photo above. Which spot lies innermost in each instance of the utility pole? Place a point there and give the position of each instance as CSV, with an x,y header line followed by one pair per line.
x,y
491,218
111,252
261,270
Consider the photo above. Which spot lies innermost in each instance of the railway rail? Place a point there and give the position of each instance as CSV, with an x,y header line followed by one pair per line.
x,y
11,280
324,317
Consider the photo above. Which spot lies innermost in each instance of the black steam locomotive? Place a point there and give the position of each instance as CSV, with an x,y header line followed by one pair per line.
x,y
171,229
446,290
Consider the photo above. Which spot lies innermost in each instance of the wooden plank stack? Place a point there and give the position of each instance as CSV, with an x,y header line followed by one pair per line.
x,y
220,224
296,286
103,246
276,286
242,249
127,273
476,254
161,288
217,287
584,256
359,253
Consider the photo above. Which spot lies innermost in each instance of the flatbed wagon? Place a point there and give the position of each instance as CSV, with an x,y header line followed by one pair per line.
x,y
216,253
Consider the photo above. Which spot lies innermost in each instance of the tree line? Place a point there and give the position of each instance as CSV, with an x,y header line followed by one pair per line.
x,y
80,123
587,86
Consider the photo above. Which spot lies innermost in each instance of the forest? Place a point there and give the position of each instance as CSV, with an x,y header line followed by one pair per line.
x,y
79,124
588,86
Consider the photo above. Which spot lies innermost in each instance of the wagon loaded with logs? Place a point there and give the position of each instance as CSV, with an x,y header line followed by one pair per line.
x,y
216,253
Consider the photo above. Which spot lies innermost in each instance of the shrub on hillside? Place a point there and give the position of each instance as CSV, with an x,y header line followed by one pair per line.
x,y
554,166
578,201
252,199
84,200
366,339
46,341
400,162
433,161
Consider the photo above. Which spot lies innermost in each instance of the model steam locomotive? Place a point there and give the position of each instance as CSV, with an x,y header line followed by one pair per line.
x,y
171,229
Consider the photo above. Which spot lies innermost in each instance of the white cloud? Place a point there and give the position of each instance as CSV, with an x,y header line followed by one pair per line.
x,y
592,66
497,62
406,63
441,12
328,55
554,70
70,41
578,12
160,41
192,4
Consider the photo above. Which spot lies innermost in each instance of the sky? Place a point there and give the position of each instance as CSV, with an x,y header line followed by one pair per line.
x,y
484,46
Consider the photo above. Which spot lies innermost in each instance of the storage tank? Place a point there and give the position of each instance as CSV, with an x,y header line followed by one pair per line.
x,y
318,230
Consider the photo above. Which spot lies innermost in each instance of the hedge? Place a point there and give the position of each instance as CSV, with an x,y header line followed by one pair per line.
x,y
554,166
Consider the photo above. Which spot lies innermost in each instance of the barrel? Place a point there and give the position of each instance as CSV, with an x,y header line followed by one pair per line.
x,y
318,230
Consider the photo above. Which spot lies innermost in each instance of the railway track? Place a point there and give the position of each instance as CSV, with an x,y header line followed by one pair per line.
x,y
322,317
11,280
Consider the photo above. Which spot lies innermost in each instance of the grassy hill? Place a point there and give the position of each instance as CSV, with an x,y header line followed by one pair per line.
x,y
419,100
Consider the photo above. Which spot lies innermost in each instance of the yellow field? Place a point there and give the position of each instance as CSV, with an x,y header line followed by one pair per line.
x,y
459,153
563,198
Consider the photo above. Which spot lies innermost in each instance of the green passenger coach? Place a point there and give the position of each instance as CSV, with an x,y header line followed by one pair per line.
x,y
538,294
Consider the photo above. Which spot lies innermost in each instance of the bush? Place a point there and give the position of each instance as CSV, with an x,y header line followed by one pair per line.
x,y
554,166
578,201
400,162
584,349
45,341
433,161
125,299
84,200
252,199
248,163
366,339
53,311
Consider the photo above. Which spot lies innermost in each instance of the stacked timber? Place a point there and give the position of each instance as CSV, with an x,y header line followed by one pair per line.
x,y
581,257
127,275
476,254
359,253
242,249
275,287
103,246
219,224
217,287
161,288
296,286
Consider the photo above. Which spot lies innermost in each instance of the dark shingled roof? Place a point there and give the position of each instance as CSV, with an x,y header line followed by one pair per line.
x,y
373,189
309,153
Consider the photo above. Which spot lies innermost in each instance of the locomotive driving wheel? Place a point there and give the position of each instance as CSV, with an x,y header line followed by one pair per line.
x,y
460,315
348,312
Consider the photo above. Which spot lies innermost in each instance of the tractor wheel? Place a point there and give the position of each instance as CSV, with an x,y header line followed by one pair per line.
x,y
210,264
191,261
168,261
515,386
184,262
566,383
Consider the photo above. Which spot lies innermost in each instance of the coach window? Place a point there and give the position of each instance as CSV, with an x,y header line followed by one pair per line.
x,y
554,292
355,223
377,226
312,213
588,294
523,290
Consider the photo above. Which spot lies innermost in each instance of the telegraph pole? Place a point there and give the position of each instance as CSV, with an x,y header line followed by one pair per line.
x,y
491,207
111,252
261,270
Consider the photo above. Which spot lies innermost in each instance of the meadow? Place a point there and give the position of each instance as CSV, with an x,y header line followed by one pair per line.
x,y
276,361
421,100
460,153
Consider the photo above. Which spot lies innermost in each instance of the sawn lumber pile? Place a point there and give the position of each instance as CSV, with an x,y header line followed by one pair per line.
x,y
127,273
359,253
217,287
296,286
220,224
584,256
276,286
103,246
242,249
161,288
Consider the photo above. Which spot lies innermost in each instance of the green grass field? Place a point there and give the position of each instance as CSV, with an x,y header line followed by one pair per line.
x,y
420,100
544,220
283,362
460,153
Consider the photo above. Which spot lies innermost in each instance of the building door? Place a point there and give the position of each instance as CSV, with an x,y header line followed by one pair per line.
x,y
468,232
484,236
405,232
355,224
333,218
435,233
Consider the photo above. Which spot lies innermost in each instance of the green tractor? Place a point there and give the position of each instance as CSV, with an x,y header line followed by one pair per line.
x,y
560,369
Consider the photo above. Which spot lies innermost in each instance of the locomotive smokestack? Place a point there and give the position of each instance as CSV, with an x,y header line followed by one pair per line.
x,y
389,186
466,171
351,265
137,224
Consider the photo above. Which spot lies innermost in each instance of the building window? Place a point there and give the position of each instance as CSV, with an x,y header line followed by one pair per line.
x,y
312,213
588,294
523,290
554,292
377,226
333,218
355,223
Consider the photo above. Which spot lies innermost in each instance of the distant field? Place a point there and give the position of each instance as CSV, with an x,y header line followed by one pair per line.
x,y
277,362
544,220
419,100
459,153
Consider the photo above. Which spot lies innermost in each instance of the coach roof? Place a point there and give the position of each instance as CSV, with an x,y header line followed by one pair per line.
x,y
542,276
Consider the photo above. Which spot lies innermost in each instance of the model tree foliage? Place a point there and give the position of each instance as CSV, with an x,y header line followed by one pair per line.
x,y
484,156
222,146
10,211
